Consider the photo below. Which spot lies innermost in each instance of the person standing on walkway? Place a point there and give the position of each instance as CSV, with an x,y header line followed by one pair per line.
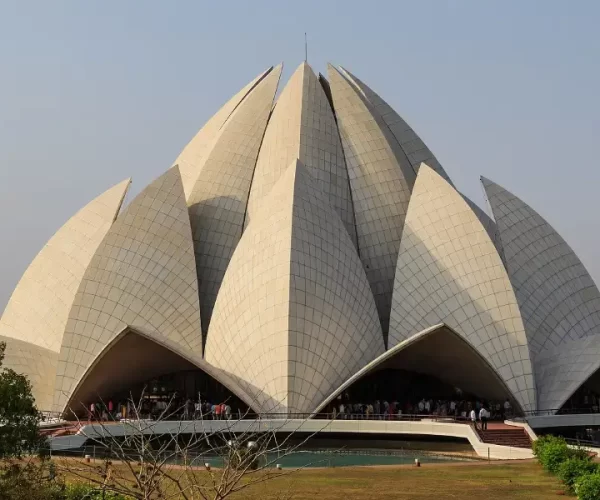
x,y
507,409
473,417
483,418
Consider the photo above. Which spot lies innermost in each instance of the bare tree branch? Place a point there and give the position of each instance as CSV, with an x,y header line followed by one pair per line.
x,y
164,458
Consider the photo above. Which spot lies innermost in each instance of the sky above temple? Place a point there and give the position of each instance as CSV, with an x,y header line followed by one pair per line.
x,y
94,92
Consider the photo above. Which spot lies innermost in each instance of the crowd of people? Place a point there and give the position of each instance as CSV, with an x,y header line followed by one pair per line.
x,y
477,410
583,401
174,408
162,408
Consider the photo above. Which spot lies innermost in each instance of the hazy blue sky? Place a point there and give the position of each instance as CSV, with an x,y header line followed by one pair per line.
x,y
92,92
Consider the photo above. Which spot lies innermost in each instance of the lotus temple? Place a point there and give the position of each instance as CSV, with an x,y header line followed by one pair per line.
x,y
303,245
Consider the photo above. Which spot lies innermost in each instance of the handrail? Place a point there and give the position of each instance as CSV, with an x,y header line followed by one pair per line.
x,y
582,442
58,416
383,417
561,411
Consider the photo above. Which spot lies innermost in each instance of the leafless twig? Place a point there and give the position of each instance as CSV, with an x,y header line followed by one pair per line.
x,y
168,459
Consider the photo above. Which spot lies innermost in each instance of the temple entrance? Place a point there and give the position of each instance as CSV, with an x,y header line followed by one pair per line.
x,y
586,399
437,373
182,395
390,384
138,372
396,393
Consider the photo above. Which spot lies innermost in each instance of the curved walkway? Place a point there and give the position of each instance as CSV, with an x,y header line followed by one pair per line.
x,y
367,427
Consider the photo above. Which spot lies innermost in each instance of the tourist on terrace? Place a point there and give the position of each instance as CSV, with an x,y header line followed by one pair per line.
x,y
473,417
507,409
187,409
392,410
483,418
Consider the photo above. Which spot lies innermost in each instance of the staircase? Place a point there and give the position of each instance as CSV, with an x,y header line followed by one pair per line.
x,y
505,435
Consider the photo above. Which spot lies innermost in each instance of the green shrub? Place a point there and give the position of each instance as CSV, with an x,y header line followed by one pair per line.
x,y
571,469
540,444
553,454
76,491
552,451
581,453
79,491
587,487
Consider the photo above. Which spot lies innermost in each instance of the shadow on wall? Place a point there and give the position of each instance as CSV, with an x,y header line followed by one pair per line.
x,y
217,226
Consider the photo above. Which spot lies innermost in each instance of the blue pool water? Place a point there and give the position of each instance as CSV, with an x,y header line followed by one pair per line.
x,y
348,458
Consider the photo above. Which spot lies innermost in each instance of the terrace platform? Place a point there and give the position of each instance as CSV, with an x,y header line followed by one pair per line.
x,y
379,428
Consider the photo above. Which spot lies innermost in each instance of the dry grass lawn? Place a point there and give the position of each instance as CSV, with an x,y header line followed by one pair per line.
x,y
460,480
431,482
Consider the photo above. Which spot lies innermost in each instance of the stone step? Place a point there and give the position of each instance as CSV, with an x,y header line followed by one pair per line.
x,y
516,437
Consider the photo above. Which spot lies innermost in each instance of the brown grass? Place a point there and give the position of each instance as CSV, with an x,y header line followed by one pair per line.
x,y
467,480
431,482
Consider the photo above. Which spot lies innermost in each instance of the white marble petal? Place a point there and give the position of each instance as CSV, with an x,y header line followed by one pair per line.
x,y
295,315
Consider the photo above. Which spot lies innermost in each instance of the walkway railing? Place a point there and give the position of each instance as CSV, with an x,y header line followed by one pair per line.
x,y
560,411
55,417
586,443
